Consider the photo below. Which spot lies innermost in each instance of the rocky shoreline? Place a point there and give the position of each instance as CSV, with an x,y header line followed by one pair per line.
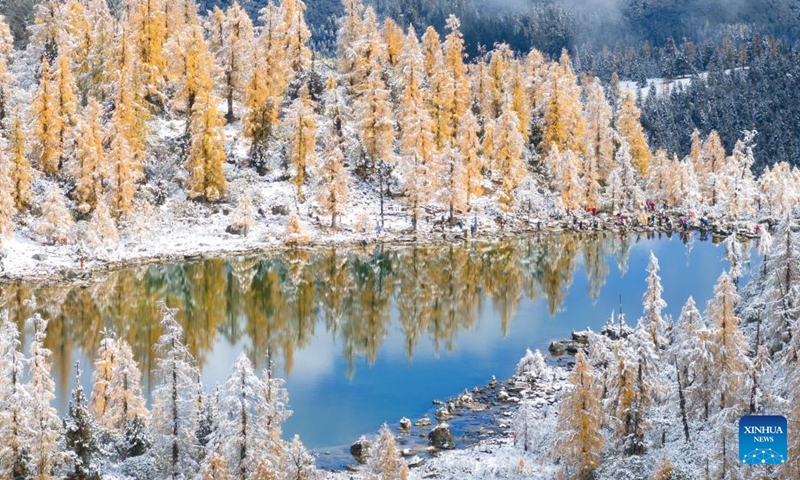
x,y
474,417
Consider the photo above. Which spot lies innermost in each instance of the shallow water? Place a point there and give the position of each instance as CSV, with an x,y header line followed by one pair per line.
x,y
371,335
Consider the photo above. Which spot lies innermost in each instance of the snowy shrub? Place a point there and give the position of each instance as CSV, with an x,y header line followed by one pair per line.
x,y
532,366
295,232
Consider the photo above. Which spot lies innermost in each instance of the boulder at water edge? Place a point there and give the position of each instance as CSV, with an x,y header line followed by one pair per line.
x,y
441,437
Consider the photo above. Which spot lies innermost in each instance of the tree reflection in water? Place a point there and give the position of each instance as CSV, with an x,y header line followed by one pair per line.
x,y
277,301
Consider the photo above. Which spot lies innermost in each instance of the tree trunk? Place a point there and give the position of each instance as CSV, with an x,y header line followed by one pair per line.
x,y
682,403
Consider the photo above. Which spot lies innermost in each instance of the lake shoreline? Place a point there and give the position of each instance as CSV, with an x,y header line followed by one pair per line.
x,y
29,261
484,417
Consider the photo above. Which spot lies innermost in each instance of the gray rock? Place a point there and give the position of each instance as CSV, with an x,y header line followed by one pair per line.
x,y
580,337
423,422
236,229
360,450
556,348
39,257
405,424
441,437
280,210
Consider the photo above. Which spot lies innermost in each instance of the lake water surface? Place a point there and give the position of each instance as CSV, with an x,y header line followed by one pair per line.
x,y
370,335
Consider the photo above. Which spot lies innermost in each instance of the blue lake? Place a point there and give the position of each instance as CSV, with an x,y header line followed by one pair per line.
x,y
370,335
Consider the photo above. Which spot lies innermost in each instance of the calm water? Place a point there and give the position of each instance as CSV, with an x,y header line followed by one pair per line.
x,y
369,336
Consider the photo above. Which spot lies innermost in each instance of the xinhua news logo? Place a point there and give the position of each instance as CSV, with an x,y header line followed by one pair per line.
x,y
762,439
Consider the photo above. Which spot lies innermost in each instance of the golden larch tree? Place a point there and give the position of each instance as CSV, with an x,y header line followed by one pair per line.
x,y
394,38
418,158
46,123
469,145
505,148
267,85
46,30
89,167
351,29
454,60
376,122
235,55
207,151
123,174
301,122
7,205
599,133
66,106
333,190
580,440
297,35
564,124
147,27
630,128
6,77
191,67
20,166
370,53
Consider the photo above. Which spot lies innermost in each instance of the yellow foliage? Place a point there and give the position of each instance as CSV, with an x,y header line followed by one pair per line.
x,y
20,166
47,123
394,38
206,152
630,128
302,124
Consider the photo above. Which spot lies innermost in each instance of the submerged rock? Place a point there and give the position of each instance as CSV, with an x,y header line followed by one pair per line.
x,y
360,450
441,437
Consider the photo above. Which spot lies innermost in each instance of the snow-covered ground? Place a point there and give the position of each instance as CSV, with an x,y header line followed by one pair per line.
x,y
664,86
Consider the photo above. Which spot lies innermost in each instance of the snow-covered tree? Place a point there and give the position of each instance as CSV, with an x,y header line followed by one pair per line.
x,y
578,439
16,421
174,410
55,225
235,55
630,129
333,189
46,451
104,363
599,134
244,215
730,349
47,123
80,433
301,123
240,434
7,204
89,167
123,175
781,289
505,153
206,151
623,191
653,320
190,68
384,461
102,229
20,168
124,392
563,124
469,145
7,78
298,464
532,365
419,160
